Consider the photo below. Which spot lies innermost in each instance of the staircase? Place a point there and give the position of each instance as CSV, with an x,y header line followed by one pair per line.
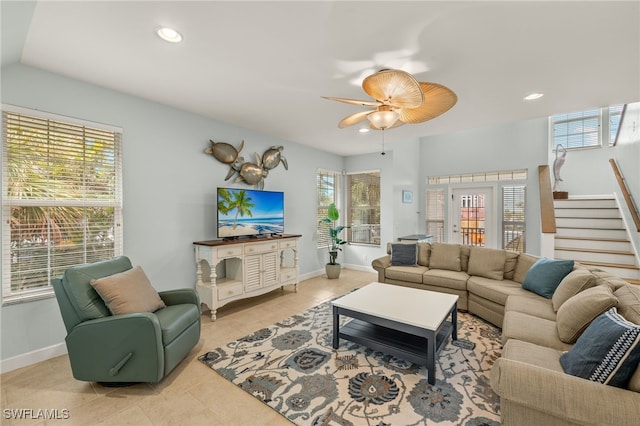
x,y
591,231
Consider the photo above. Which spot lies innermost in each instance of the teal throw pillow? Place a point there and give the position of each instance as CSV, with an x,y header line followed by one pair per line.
x,y
607,352
545,275
404,254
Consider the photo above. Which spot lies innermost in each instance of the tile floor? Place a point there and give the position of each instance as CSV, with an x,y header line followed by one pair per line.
x,y
192,394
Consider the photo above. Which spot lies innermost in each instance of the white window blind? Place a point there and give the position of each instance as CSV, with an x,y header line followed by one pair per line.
x,y
62,202
576,130
435,214
363,198
615,114
513,217
328,187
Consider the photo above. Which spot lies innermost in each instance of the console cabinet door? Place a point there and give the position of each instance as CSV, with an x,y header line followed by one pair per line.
x,y
253,274
270,269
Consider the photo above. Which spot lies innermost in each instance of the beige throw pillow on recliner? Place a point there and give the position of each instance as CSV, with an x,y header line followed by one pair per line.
x,y
128,292
445,256
575,315
487,263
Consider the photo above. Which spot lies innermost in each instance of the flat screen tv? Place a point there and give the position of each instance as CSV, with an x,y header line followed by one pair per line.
x,y
248,212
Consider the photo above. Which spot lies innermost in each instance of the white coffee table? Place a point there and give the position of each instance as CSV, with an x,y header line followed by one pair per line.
x,y
405,322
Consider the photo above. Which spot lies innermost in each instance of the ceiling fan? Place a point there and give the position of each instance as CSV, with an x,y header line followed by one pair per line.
x,y
399,99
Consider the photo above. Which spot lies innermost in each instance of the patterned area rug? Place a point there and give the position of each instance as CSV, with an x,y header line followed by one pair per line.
x,y
292,367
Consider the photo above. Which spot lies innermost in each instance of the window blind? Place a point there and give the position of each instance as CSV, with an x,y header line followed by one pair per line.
x,y
513,217
363,218
328,187
435,215
61,199
577,130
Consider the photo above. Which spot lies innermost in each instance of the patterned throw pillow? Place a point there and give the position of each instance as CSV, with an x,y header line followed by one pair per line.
x,y
404,254
607,352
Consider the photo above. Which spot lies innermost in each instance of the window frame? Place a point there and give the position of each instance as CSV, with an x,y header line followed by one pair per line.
x,y
373,229
109,197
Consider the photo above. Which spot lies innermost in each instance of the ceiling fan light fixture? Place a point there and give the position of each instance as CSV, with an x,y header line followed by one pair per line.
x,y
169,34
383,119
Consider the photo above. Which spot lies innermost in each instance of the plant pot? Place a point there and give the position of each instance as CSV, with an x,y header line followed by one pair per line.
x,y
333,271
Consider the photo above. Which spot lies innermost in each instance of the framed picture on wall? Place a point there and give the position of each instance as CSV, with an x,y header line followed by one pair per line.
x,y
407,197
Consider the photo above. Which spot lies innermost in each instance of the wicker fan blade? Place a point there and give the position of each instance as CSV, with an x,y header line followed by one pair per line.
x,y
354,118
353,101
394,87
438,99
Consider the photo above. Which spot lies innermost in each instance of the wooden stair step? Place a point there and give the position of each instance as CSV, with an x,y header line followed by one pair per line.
x,y
613,240
623,253
609,265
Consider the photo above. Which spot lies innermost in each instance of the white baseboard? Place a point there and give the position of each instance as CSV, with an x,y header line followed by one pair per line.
x,y
362,268
33,357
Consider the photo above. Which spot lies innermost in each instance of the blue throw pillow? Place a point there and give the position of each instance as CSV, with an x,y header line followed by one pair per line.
x,y
545,275
404,255
607,352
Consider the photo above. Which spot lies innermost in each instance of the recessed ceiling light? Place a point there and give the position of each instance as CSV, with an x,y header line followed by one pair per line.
x,y
169,34
363,130
533,96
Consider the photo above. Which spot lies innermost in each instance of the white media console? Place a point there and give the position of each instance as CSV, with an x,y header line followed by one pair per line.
x,y
238,269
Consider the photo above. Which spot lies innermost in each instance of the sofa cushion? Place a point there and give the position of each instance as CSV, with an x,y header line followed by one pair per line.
x,y
411,274
629,302
575,315
465,252
404,254
607,352
445,256
525,262
128,292
510,264
537,355
545,275
531,305
486,262
424,253
528,328
575,282
496,291
445,278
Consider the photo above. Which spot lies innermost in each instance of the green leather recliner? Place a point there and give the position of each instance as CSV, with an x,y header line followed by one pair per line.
x,y
112,349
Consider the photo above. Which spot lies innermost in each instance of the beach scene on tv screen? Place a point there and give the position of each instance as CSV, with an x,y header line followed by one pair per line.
x,y
244,212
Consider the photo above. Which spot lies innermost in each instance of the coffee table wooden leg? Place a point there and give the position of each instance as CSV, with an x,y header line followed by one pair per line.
x,y
454,322
336,327
431,358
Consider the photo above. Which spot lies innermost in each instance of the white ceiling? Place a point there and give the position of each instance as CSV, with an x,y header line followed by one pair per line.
x,y
265,65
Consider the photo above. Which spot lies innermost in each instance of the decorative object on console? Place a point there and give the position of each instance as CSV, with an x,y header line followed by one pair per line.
x,y
333,268
248,172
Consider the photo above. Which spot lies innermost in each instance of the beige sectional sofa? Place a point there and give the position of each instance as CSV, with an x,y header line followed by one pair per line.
x,y
532,384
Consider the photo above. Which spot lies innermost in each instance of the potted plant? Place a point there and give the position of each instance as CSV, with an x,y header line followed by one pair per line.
x,y
333,267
